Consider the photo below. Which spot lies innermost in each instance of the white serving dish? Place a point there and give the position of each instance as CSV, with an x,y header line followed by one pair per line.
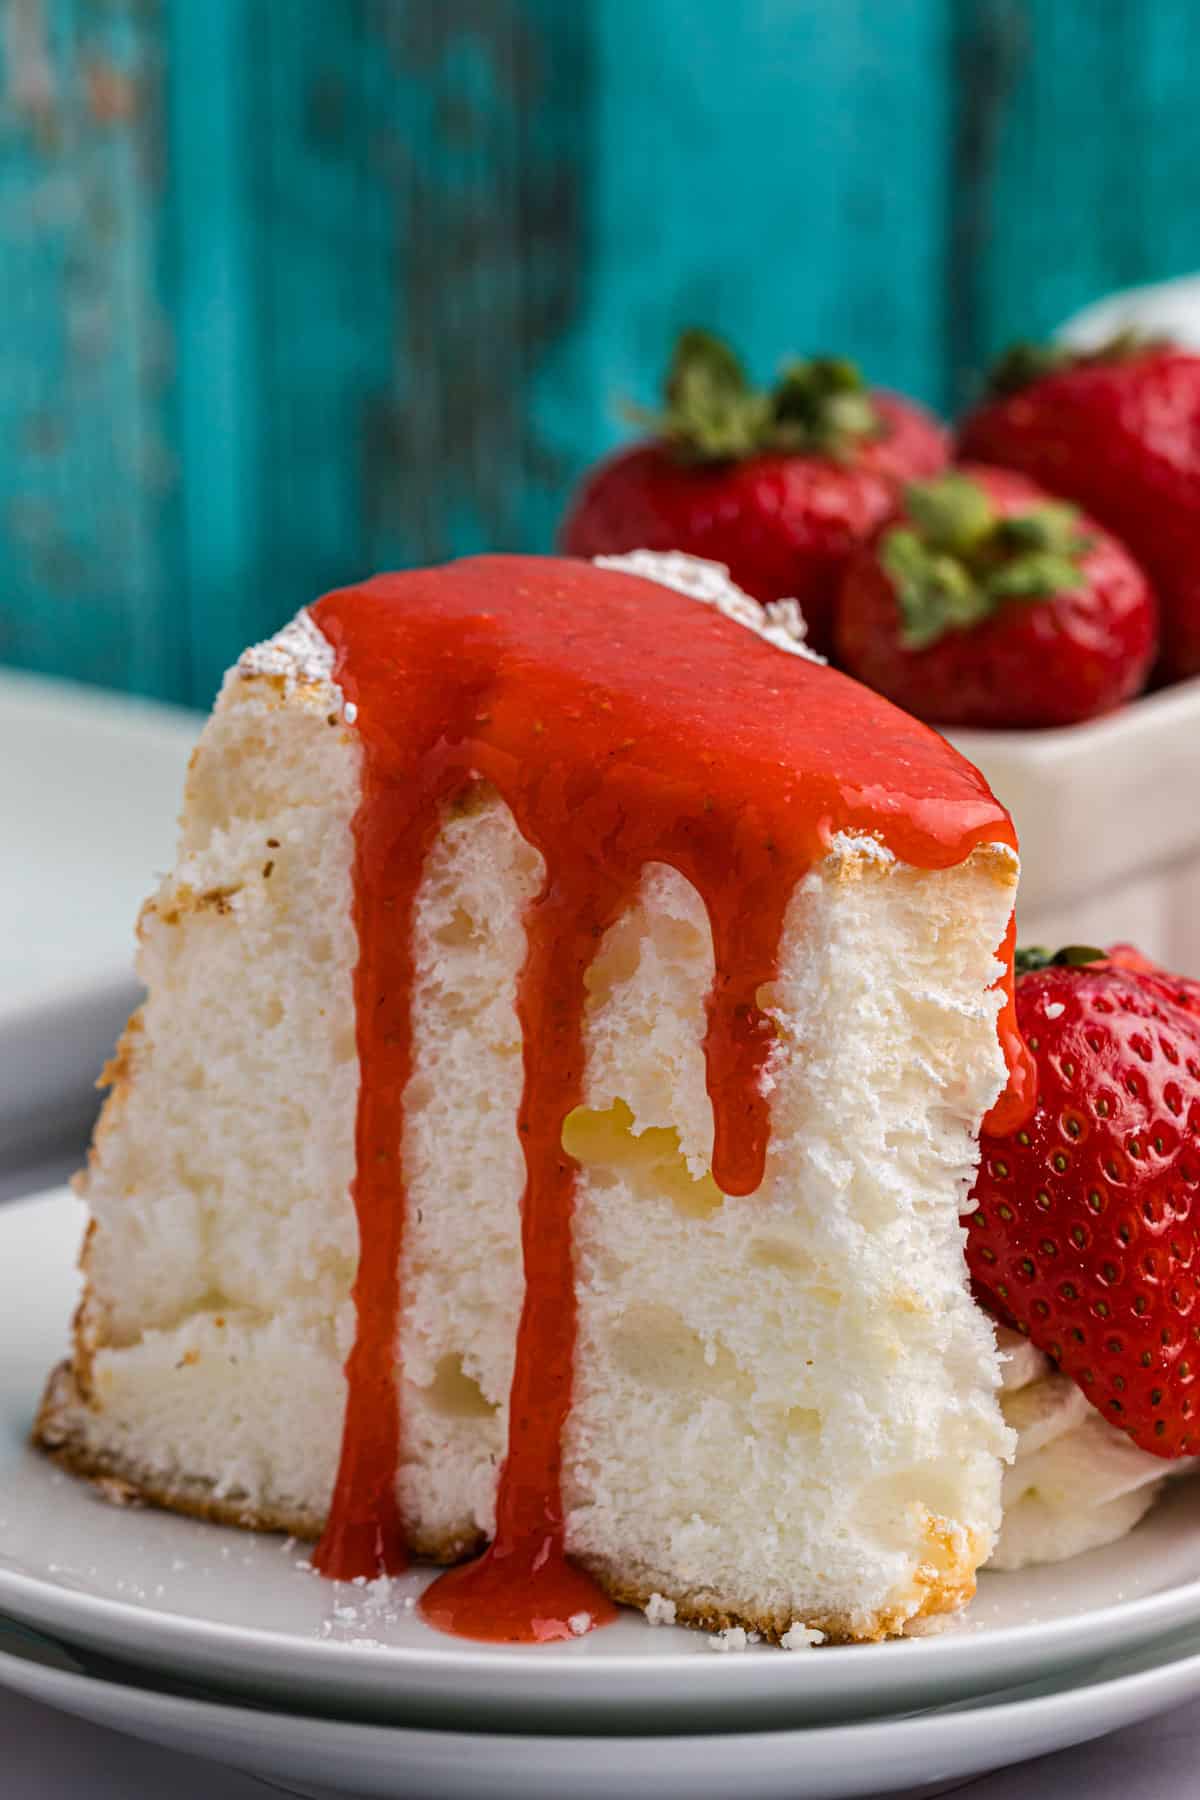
x,y
1108,815
1169,309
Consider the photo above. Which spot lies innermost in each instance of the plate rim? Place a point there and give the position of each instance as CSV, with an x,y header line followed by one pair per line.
x,y
1072,1694
942,1647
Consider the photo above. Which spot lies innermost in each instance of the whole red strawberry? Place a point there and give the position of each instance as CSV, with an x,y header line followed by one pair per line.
x,y
1087,1230
780,485
1181,990
1118,431
987,603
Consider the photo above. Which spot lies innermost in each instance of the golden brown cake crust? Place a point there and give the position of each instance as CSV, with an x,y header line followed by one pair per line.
x,y
126,1483
942,1585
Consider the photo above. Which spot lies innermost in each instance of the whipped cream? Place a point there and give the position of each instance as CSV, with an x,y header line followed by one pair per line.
x,y
1076,1482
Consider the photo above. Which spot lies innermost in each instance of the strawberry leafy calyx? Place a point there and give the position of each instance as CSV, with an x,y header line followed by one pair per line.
x,y
1023,364
819,406
956,560
1029,959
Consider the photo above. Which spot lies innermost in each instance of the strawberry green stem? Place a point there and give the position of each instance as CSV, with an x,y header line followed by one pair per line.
x,y
819,406
956,560
1072,956
1023,364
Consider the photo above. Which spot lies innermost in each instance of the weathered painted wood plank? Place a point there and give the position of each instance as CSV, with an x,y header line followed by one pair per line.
x,y
779,169
294,291
330,275
489,143
1086,177
375,224
415,249
217,270
87,467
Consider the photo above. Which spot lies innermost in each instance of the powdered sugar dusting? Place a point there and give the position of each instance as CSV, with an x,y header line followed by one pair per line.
x,y
780,622
300,653
734,1637
303,656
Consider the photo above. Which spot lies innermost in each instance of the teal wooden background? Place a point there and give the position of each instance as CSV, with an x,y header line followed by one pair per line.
x,y
293,289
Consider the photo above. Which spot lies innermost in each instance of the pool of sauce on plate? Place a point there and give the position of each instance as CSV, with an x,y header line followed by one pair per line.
x,y
732,761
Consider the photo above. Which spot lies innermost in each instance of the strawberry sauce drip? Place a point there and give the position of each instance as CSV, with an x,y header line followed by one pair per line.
x,y
726,758
523,1586
1019,1096
394,829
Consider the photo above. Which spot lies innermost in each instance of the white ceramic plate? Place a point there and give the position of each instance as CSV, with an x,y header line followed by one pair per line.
x,y
312,1755
91,787
235,1611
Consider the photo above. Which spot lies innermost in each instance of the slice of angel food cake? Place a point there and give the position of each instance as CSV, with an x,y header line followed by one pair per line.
x,y
570,1020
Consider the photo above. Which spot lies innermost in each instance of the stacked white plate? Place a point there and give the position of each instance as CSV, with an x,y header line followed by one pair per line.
x,y
226,1645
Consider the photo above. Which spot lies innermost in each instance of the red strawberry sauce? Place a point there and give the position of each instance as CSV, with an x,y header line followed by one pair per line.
x,y
728,759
